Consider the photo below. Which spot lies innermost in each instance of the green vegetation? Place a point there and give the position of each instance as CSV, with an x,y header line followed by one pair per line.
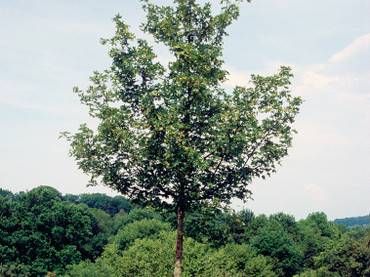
x,y
43,232
172,139
354,221
171,136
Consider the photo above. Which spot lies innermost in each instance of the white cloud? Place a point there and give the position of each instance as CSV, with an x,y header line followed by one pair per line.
x,y
316,80
314,194
30,96
242,78
237,78
346,72
357,47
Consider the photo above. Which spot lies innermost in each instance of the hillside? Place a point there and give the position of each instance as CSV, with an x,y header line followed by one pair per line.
x,y
354,221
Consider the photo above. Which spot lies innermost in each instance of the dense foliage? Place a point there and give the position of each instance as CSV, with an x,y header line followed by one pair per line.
x,y
354,221
43,231
110,205
170,135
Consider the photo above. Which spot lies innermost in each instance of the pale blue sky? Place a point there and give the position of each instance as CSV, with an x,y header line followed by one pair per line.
x,y
47,47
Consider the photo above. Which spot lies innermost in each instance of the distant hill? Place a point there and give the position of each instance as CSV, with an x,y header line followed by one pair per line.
x,y
354,221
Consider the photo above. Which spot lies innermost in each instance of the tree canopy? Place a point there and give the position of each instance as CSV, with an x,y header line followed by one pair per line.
x,y
172,135
175,133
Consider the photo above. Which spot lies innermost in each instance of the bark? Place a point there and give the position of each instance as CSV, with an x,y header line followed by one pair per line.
x,y
179,247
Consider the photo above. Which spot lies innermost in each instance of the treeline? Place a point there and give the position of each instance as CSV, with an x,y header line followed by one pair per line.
x,y
43,232
354,221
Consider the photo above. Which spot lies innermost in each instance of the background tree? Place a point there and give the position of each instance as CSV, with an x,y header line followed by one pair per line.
x,y
111,205
237,223
241,260
172,136
101,224
39,232
136,214
273,240
13,271
346,257
354,221
315,233
139,229
6,193
206,223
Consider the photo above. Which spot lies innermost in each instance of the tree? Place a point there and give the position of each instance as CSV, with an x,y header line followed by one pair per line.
x,y
6,193
315,233
354,221
139,229
272,240
173,136
205,224
13,271
87,268
40,232
236,225
346,257
319,220
110,205
101,224
241,260
134,215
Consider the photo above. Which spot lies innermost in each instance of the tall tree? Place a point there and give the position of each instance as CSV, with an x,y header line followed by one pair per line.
x,y
171,135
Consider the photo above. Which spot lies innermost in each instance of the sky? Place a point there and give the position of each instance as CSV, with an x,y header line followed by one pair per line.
x,y
47,47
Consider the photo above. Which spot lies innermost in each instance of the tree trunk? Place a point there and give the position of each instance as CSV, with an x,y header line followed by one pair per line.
x,y
180,232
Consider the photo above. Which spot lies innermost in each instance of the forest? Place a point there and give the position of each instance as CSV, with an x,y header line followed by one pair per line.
x,y
45,233
354,221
